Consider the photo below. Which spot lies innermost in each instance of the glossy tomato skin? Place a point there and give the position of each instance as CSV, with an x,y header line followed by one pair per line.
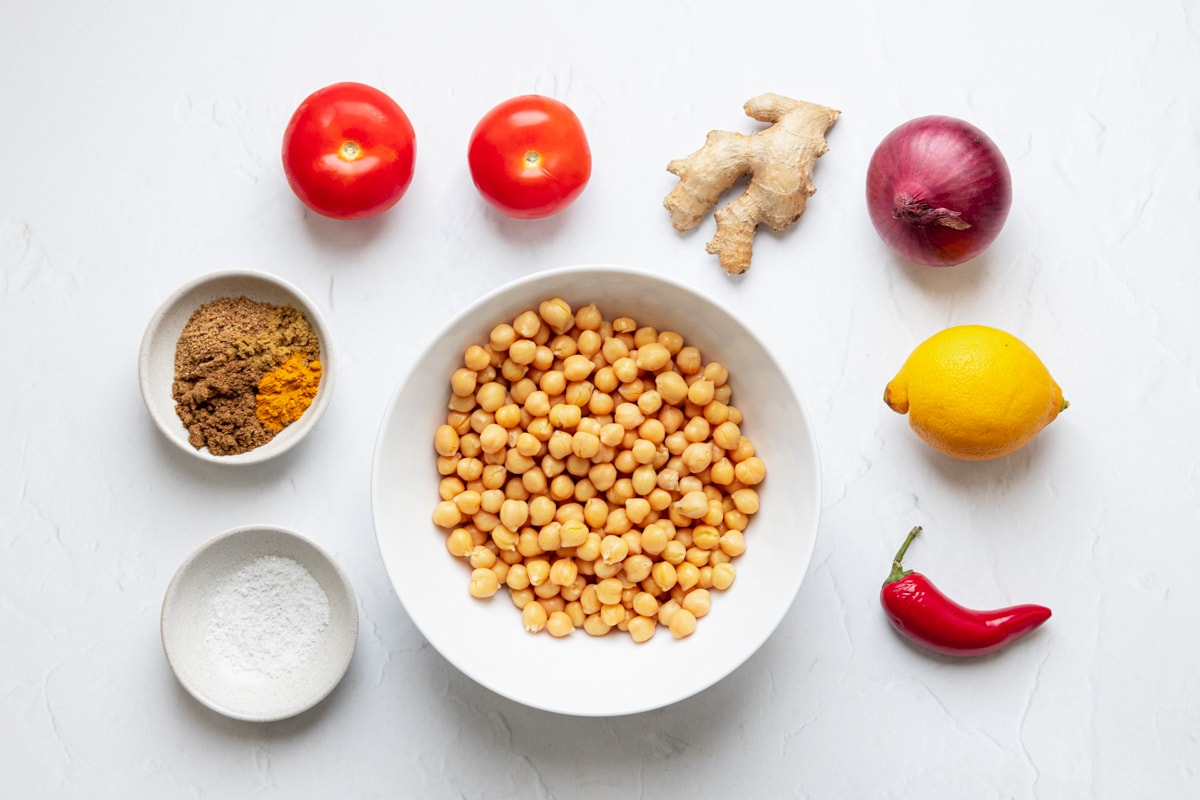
x,y
529,157
349,151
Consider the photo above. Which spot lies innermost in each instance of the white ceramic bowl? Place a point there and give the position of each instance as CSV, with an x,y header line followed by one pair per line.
x,y
300,658
611,675
156,359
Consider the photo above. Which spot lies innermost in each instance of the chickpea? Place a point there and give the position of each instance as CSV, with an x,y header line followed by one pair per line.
x,y
721,473
547,591
521,390
602,476
552,382
745,500
577,367
652,356
642,629
693,504
590,549
612,434
569,511
514,513
508,416
697,457
520,356
600,403
579,393
750,471
664,575
622,490
723,575
491,500
605,380
637,509
743,451
589,343
484,583
588,318
637,568
612,613
595,626
584,444
613,549
654,539
675,552
727,435
490,396
538,570
573,533
618,521
459,542
602,570
517,577
502,337
468,502
682,624
493,439
476,358
445,440
556,313
446,514
733,543
672,388
608,591
505,538
701,392
687,575
534,617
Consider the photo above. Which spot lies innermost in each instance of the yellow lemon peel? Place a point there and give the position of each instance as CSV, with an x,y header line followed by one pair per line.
x,y
975,392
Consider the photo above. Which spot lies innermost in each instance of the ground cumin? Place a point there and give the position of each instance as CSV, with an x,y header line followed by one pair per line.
x,y
225,349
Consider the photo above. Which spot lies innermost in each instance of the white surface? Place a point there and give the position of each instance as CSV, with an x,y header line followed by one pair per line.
x,y
574,675
295,681
156,357
140,146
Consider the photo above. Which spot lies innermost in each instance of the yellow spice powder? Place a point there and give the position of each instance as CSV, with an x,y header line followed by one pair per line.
x,y
287,391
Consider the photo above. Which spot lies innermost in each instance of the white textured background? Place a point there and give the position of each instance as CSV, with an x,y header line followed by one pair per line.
x,y
139,148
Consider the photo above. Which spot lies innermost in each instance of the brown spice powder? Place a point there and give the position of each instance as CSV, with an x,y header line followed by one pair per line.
x,y
225,349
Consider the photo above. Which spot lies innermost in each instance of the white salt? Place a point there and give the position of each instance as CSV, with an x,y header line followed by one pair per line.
x,y
266,617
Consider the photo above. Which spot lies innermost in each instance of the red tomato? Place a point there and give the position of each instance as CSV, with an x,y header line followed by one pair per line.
x,y
348,151
529,157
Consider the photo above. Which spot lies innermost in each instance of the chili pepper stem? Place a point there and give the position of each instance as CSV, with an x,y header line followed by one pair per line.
x,y
898,571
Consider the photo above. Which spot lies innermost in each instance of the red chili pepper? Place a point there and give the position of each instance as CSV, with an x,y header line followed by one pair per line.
x,y
919,611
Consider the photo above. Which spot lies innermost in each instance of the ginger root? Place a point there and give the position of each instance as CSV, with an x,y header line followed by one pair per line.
x,y
779,160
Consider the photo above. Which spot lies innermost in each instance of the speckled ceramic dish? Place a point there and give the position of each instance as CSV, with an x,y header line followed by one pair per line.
x,y
580,674
259,624
156,359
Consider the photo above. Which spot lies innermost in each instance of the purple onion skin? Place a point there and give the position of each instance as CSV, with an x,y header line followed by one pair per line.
x,y
938,191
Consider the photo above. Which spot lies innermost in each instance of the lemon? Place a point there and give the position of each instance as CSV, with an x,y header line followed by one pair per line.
x,y
975,392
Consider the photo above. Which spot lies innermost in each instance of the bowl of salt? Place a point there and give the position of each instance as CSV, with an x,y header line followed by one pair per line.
x,y
259,624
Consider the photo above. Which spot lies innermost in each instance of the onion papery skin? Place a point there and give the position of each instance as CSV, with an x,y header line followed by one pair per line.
x,y
953,172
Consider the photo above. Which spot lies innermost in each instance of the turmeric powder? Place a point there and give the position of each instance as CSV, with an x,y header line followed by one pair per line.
x,y
286,392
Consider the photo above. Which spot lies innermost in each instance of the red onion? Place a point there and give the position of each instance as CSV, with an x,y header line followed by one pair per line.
x,y
938,191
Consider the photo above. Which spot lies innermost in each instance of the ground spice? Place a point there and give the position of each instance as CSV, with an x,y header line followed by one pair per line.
x,y
287,391
222,354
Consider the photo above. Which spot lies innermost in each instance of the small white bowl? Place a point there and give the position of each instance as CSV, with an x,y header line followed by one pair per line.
x,y
156,358
579,674
298,663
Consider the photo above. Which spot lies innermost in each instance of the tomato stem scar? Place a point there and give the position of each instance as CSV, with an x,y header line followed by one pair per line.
x,y
350,150
532,158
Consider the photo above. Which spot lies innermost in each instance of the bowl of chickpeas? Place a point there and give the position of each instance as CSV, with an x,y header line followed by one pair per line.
x,y
597,492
